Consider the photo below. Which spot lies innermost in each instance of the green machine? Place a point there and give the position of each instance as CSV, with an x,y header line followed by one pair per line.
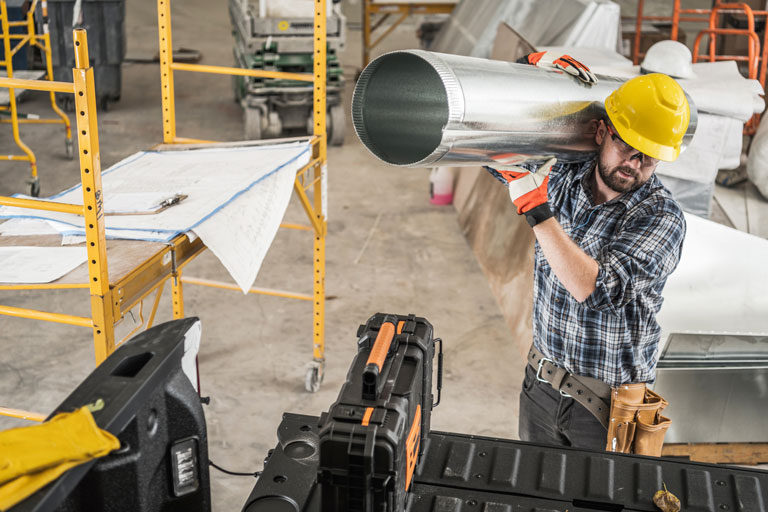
x,y
276,35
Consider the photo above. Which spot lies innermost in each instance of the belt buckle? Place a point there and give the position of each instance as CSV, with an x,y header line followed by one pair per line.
x,y
541,379
538,371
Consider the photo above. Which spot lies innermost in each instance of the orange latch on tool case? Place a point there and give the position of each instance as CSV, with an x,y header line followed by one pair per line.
x,y
412,444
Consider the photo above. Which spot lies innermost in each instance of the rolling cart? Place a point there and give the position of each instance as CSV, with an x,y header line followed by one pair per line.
x,y
277,36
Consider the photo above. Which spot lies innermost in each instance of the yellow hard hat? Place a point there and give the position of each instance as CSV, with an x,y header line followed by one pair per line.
x,y
651,114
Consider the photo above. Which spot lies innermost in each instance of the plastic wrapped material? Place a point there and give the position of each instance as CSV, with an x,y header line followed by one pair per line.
x,y
694,196
718,87
290,8
757,161
691,178
471,29
718,286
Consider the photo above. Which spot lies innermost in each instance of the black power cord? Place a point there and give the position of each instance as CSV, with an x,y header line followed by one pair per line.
x,y
233,473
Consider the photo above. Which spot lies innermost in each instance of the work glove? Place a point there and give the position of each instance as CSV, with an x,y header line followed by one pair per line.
x,y
32,457
527,189
565,63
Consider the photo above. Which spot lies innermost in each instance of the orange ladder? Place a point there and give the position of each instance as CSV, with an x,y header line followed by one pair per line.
x,y
755,59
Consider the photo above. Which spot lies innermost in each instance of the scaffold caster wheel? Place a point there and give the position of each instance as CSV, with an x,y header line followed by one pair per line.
x,y
274,125
314,376
336,123
70,148
252,123
33,187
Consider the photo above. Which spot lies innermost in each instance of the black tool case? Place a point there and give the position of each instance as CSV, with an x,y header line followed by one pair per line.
x,y
371,438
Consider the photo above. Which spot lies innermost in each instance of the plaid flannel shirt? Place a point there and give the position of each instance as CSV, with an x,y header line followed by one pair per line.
x,y
636,240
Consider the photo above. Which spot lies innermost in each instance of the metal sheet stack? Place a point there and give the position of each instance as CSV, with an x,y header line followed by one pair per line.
x,y
471,29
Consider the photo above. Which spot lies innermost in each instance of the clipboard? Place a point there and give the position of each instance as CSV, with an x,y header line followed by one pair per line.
x,y
162,206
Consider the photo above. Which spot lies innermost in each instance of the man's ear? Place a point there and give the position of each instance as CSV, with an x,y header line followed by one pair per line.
x,y
601,132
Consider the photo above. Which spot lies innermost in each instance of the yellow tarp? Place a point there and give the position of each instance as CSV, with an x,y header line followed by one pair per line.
x,y
31,457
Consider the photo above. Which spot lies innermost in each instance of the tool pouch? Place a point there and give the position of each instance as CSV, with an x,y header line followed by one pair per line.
x,y
635,424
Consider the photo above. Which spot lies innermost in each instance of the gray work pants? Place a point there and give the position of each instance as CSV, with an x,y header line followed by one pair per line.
x,y
547,417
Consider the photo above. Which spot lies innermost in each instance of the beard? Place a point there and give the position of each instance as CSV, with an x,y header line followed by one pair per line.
x,y
617,182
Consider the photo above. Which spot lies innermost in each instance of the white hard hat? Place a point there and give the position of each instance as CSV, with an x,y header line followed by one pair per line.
x,y
672,58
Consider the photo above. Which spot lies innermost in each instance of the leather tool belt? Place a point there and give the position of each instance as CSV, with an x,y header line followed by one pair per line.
x,y
593,394
631,413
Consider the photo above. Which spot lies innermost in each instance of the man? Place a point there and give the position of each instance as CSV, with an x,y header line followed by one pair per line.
x,y
608,234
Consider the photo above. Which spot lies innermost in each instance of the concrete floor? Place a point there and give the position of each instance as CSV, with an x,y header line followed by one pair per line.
x,y
254,348
388,250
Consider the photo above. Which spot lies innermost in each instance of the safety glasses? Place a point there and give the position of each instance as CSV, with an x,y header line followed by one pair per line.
x,y
628,151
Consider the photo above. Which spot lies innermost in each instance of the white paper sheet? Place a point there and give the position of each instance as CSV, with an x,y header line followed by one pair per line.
x,y
71,235
26,227
211,178
241,233
24,264
243,223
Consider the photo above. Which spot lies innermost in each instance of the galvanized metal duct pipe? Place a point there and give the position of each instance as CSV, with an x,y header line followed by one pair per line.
x,y
421,109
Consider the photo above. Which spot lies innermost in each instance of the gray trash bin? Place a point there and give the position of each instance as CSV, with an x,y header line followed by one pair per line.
x,y
104,21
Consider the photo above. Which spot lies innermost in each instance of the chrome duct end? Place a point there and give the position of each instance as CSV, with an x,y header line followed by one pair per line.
x,y
428,98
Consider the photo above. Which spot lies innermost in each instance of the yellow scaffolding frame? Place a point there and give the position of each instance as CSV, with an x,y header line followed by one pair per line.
x,y
311,176
110,301
42,42
102,320
404,9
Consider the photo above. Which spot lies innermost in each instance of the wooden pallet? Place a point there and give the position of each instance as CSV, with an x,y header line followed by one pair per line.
x,y
719,453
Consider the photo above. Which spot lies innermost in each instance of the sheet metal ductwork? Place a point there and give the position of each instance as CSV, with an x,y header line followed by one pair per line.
x,y
421,109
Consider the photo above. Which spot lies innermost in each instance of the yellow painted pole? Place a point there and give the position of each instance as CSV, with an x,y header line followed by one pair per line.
x,y
166,73
158,296
30,22
46,316
316,221
50,206
318,258
366,32
257,291
34,121
259,73
44,286
37,85
22,415
14,158
300,227
177,289
187,140
11,93
93,200
23,40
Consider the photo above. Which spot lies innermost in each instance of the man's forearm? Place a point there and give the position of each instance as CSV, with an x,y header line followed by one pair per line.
x,y
575,269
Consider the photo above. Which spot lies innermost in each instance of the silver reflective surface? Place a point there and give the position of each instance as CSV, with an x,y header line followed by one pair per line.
x,y
714,349
715,405
420,109
716,386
